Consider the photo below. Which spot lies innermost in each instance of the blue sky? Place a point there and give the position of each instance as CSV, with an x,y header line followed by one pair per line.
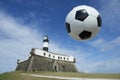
x,y
23,24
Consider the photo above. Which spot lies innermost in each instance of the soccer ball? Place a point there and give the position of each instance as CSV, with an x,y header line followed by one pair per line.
x,y
83,22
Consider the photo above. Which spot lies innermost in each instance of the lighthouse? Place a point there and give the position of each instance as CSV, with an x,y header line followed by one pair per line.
x,y
45,43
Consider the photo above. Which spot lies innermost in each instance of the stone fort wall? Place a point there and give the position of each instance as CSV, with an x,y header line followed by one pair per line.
x,y
39,63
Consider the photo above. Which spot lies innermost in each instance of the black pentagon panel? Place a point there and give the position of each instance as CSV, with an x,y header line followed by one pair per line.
x,y
68,27
85,34
81,15
99,21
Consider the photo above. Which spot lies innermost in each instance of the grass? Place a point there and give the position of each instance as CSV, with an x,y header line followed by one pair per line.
x,y
17,75
79,75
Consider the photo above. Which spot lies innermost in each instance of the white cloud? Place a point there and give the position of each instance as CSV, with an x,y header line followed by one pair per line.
x,y
110,14
97,42
108,66
103,45
16,41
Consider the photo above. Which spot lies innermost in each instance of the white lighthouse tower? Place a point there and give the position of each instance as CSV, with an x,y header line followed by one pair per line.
x,y
45,43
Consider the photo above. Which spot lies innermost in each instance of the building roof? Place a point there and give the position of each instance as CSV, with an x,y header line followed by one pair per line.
x,y
54,53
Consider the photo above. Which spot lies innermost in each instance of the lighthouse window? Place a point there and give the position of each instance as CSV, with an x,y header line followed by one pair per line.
x,y
53,56
58,57
44,54
67,58
74,60
49,55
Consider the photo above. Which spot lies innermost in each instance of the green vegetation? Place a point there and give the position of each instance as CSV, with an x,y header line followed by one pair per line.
x,y
79,75
18,76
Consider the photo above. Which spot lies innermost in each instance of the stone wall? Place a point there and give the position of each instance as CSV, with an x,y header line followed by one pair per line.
x,y
65,66
23,66
40,63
